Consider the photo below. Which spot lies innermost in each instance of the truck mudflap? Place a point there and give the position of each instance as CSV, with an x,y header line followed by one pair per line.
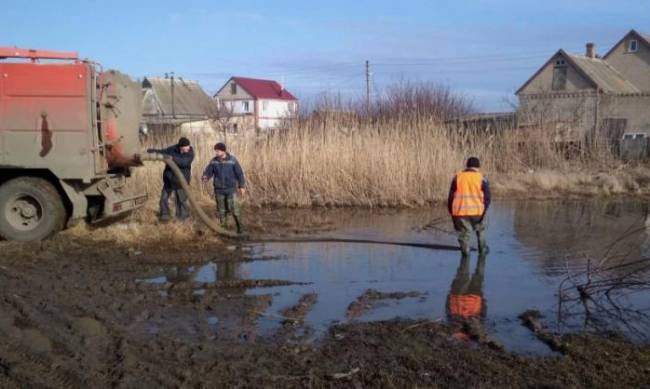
x,y
115,201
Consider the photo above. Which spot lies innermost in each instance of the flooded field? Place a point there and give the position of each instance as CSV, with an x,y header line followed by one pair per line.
x,y
338,298
535,246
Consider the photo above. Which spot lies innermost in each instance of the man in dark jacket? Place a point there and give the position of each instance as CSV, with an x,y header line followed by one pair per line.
x,y
228,179
183,155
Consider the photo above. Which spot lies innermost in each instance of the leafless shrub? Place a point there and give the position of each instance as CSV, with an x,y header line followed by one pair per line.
x,y
599,294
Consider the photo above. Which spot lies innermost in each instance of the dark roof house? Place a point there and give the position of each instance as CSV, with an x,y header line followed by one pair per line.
x,y
175,100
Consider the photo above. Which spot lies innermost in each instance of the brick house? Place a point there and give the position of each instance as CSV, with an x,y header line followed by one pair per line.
x,y
255,104
583,95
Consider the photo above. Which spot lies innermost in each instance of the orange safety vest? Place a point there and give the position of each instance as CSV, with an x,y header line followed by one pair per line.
x,y
468,198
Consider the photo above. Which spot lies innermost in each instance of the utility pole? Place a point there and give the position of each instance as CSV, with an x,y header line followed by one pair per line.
x,y
173,108
368,87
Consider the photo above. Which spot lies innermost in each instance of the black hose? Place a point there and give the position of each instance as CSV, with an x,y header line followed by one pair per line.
x,y
430,246
214,226
210,223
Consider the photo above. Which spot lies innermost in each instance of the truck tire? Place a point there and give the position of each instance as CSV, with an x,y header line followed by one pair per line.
x,y
30,209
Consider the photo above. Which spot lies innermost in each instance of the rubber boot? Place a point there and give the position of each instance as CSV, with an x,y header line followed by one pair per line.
x,y
464,247
483,248
239,226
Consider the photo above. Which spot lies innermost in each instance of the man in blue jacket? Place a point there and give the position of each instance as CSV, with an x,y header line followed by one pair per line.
x,y
183,155
228,179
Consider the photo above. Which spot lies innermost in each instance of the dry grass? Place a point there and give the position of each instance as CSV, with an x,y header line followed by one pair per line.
x,y
393,163
397,154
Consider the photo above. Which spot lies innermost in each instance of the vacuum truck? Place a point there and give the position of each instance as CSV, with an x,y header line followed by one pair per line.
x,y
68,141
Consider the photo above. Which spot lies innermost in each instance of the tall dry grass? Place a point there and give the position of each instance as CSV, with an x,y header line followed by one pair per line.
x,y
339,157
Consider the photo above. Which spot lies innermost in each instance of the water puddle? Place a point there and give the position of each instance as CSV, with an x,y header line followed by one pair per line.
x,y
539,254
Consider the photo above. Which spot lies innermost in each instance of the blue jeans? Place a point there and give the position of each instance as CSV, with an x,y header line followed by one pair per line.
x,y
180,200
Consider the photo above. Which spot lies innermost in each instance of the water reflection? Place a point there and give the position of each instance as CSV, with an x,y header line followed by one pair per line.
x,y
535,246
465,302
557,234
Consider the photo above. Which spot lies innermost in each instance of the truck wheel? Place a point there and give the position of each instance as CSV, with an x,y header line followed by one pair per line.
x,y
30,209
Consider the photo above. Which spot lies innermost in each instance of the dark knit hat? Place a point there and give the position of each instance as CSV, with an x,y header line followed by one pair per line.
x,y
473,162
182,142
220,146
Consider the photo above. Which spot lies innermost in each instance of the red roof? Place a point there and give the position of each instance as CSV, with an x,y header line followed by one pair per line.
x,y
263,89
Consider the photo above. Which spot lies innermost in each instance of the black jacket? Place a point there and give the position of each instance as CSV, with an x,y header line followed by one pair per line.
x,y
184,162
228,174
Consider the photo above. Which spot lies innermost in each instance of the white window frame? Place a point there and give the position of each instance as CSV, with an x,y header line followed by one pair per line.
x,y
265,105
630,43
634,135
245,106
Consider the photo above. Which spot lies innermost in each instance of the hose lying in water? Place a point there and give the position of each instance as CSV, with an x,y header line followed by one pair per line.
x,y
430,246
210,223
216,227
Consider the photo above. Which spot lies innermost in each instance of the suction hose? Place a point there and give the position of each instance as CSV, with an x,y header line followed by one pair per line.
x,y
210,223
214,226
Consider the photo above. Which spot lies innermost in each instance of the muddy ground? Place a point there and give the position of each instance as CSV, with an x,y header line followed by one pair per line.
x,y
73,315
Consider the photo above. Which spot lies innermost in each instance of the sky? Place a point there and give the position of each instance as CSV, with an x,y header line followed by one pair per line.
x,y
481,49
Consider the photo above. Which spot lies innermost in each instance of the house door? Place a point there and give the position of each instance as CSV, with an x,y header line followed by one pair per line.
x,y
613,129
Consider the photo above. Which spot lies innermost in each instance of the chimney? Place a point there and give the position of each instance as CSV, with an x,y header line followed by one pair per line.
x,y
590,51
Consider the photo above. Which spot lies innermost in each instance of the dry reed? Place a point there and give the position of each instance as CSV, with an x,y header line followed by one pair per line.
x,y
338,156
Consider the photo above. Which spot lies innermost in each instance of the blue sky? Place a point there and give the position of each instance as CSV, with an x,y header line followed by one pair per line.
x,y
483,49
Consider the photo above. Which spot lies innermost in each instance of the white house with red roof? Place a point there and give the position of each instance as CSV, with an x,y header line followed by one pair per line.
x,y
255,103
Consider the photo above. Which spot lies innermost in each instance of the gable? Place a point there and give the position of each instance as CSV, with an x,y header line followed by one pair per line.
x,y
634,66
189,99
542,80
225,92
623,45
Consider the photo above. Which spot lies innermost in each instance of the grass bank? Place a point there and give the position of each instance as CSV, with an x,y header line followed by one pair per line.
x,y
400,162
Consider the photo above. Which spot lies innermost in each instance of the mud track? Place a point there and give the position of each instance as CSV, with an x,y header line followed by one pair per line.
x,y
73,315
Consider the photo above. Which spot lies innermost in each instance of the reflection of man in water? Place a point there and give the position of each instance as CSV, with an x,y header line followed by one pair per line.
x,y
465,301
468,201
228,271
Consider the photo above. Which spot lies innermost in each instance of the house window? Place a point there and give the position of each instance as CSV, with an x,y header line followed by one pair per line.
x,y
632,46
245,105
633,136
265,106
559,75
235,128
233,88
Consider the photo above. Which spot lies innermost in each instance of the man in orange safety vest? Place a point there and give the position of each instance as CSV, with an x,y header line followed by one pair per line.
x,y
469,199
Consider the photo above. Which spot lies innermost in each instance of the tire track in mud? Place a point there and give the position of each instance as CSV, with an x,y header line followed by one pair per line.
x,y
365,302
27,353
43,329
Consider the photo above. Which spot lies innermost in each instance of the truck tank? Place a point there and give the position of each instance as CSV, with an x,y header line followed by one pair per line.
x,y
120,113
68,139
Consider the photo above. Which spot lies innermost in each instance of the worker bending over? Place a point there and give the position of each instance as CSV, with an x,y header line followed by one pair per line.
x,y
183,155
